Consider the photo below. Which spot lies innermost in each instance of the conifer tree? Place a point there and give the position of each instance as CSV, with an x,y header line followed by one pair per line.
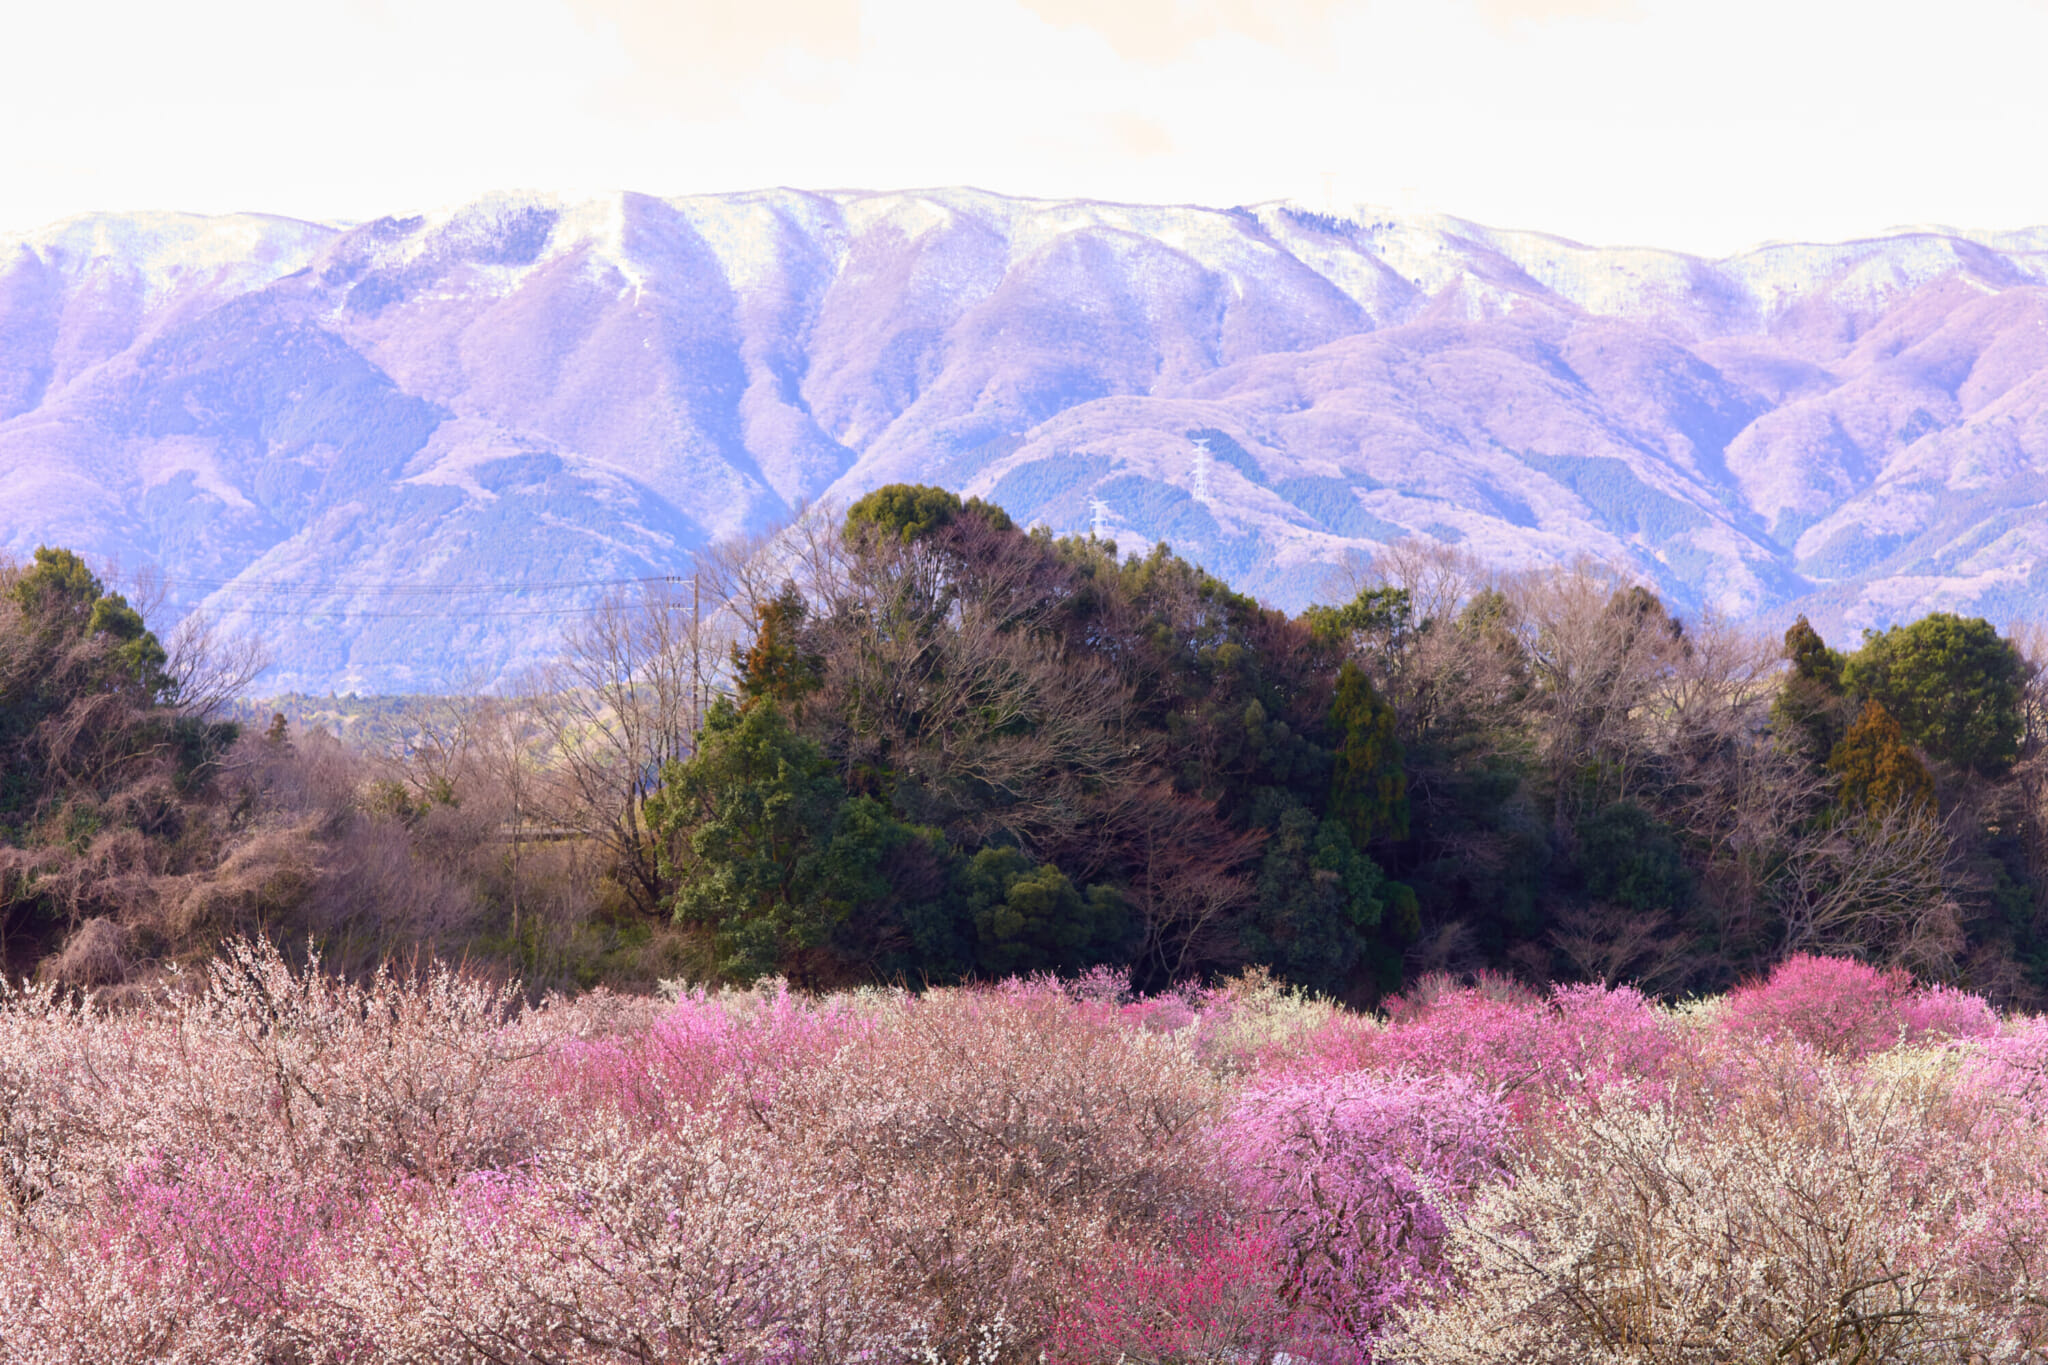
x,y
778,667
1877,769
1812,702
1369,788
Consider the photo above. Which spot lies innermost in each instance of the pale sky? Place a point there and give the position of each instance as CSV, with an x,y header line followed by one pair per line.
x,y
1704,125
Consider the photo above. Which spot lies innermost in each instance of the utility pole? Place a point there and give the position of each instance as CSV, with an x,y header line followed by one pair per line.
x,y
696,651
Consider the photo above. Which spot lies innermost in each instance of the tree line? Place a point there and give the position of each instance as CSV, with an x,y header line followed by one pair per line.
x,y
919,743
954,748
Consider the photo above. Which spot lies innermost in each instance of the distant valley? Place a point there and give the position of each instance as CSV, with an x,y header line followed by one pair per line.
x,y
403,451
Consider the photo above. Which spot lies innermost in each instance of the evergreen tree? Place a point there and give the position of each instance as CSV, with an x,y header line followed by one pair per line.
x,y
1029,918
1325,912
1812,702
1876,767
66,601
1368,789
772,858
778,666
911,511
1952,684
1811,658
1628,857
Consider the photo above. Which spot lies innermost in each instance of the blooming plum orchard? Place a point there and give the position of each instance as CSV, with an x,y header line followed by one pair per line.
x,y
268,1164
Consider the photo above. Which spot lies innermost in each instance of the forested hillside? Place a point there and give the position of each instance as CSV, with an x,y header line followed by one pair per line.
x,y
923,745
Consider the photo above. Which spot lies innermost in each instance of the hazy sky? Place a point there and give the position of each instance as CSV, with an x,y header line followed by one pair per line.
x,y
1699,125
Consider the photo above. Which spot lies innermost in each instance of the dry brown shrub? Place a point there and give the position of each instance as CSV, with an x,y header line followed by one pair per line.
x,y
377,894
988,1148
98,953
259,883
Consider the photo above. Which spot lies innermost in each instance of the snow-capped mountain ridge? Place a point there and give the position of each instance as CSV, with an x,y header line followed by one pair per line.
x,y
569,387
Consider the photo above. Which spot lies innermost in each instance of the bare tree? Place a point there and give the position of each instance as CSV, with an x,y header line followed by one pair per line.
x,y
439,740
2030,773
626,698
962,692
209,668
212,668
736,578
509,753
1185,872
1613,944
1600,649
1879,887
1735,793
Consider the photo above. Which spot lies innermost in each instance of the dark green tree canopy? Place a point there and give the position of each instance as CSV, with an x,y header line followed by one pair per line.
x,y
971,750
1953,685
1030,918
1811,658
1064,751
1368,789
912,511
788,872
57,586
64,599
1629,858
1812,704
771,857
1378,611
1325,911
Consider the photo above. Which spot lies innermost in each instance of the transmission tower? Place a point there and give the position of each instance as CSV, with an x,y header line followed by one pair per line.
x,y
1098,513
1201,469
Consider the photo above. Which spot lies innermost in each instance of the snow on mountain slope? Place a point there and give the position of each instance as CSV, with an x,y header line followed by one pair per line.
x,y
82,291
292,418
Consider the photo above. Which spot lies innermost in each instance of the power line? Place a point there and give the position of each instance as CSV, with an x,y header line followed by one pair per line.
x,y
391,588
464,613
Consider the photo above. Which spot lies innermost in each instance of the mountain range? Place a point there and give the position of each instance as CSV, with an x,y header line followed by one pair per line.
x,y
406,451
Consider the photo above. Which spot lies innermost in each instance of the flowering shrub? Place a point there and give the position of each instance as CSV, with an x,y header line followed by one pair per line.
x,y
1533,1050
266,1164
1944,1012
1353,1173
692,1243
735,1046
1845,1008
990,1145
1220,1293
1836,1227
249,1243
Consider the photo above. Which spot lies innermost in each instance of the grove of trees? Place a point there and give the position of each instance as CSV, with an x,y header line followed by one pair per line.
x,y
919,744
952,748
